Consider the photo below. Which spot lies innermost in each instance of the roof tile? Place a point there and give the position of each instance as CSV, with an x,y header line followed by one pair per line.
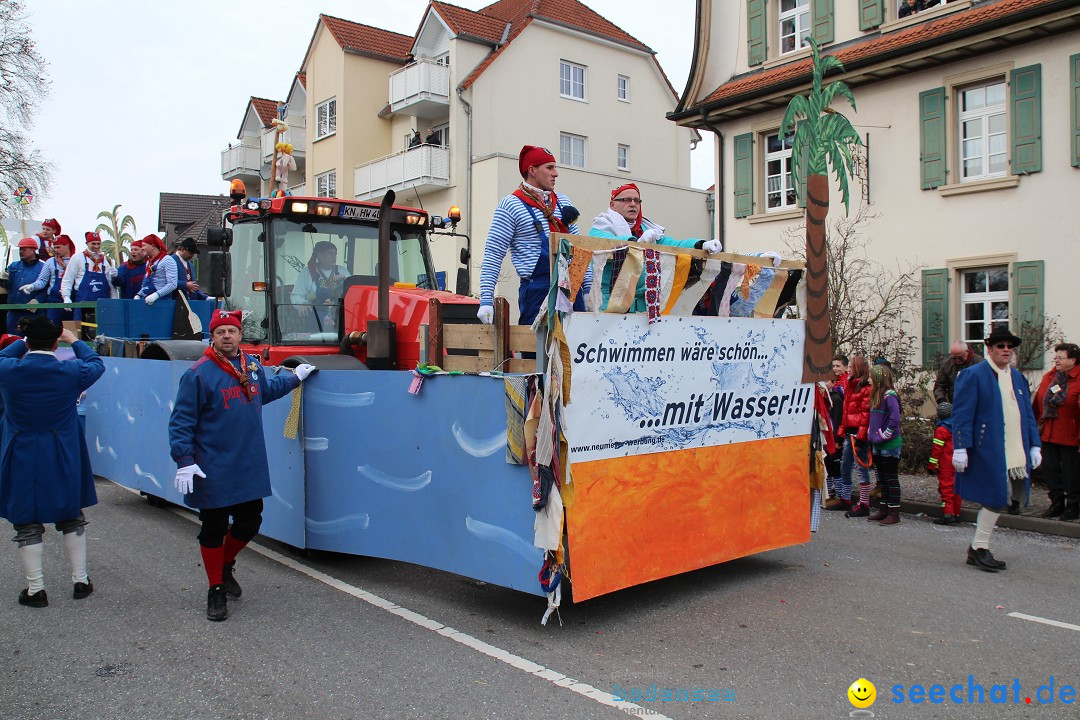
x,y
368,40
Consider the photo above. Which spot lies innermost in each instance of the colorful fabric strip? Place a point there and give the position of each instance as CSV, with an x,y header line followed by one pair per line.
x,y
652,285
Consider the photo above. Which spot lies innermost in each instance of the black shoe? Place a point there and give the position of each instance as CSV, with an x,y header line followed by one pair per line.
x,y
1014,507
217,605
38,599
947,519
1072,512
232,588
83,590
984,560
1056,508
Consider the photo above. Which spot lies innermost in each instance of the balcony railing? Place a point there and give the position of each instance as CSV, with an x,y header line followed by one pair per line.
x,y
424,167
298,190
296,134
240,160
421,89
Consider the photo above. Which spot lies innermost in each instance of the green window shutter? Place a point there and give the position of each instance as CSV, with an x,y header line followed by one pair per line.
x,y
935,316
822,20
756,32
1028,315
1026,85
744,175
871,13
932,138
1074,64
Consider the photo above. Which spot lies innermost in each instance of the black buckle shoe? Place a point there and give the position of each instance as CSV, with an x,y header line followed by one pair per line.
x,y
37,600
1014,507
1056,508
217,605
232,588
83,590
984,560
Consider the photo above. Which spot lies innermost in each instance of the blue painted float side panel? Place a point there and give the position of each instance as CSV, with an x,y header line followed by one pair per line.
x,y
418,478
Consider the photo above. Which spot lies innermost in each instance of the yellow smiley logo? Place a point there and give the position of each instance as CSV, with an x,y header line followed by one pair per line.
x,y
862,693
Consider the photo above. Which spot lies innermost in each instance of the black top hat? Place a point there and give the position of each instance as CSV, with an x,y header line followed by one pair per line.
x,y
40,331
189,245
1000,333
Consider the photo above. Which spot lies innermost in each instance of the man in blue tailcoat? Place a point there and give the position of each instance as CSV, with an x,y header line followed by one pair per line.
x,y
217,422
45,474
996,441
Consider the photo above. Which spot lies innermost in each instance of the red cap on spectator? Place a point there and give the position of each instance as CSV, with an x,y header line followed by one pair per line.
x,y
225,317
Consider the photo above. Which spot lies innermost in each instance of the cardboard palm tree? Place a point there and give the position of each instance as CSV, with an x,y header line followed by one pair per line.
x,y
823,137
116,229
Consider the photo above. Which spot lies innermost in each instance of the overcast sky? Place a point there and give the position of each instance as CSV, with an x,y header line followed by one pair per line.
x,y
146,94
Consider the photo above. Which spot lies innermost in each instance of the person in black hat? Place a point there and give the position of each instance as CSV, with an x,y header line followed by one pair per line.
x,y
39,393
186,250
996,441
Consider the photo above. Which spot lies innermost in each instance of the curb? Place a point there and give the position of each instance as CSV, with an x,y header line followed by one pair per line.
x,y
1045,526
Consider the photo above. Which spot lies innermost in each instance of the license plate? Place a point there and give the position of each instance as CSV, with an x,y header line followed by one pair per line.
x,y
358,212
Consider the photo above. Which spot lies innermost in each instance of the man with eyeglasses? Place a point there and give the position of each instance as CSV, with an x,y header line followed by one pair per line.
x,y
960,356
996,441
624,220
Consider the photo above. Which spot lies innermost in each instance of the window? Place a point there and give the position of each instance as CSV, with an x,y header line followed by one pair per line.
x,y
905,8
983,137
794,24
622,157
623,88
984,302
326,184
326,118
571,150
571,80
779,184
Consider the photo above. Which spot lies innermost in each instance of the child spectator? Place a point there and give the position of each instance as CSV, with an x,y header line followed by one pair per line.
x,y
940,464
884,436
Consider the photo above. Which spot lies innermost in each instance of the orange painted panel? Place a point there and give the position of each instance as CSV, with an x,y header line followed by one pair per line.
x,y
644,517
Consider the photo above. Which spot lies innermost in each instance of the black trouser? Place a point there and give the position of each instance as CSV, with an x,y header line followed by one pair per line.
x,y
888,474
246,517
1061,472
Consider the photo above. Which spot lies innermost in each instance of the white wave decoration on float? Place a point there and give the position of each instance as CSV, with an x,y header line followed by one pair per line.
x,y
316,443
478,447
336,399
274,494
395,483
103,448
506,538
139,471
359,521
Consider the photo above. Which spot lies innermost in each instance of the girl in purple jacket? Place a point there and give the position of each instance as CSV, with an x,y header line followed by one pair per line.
x,y
885,441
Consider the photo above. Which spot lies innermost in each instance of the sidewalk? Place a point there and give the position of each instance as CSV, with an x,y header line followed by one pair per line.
x,y
919,494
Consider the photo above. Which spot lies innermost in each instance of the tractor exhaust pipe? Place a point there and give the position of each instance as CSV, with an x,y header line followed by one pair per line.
x,y
381,334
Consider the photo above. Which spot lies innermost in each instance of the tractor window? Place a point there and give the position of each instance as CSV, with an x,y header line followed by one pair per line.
x,y
248,267
313,261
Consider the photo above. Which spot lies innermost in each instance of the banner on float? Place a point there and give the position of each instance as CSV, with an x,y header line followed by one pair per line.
x,y
684,382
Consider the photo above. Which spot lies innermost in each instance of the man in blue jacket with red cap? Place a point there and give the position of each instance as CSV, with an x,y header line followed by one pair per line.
x,y
45,474
217,422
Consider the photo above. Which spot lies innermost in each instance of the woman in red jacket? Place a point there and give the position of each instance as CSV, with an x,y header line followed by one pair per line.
x,y
856,423
1057,410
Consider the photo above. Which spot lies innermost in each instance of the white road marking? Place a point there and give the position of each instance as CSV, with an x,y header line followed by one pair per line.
x,y
515,661
1045,621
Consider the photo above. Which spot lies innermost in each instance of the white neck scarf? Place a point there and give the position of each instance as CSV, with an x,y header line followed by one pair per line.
x,y
1015,461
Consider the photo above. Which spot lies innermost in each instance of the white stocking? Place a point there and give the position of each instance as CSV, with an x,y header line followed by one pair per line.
x,y
984,525
32,560
75,542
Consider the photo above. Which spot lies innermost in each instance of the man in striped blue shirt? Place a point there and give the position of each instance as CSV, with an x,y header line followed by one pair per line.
x,y
522,225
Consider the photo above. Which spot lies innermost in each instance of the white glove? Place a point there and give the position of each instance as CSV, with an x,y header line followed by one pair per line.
x,y
27,289
110,272
486,314
185,478
960,459
650,236
151,298
303,370
712,246
3,274
1036,457
776,259
67,299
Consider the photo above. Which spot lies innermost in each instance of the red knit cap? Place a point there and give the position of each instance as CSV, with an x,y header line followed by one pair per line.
x,y
155,241
93,237
531,156
51,223
627,186
225,317
65,240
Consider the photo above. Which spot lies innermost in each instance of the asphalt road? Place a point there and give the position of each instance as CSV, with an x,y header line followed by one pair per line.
x,y
782,634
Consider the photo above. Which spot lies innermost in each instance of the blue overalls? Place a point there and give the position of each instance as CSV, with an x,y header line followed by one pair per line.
x,y
533,291
19,274
93,285
57,315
